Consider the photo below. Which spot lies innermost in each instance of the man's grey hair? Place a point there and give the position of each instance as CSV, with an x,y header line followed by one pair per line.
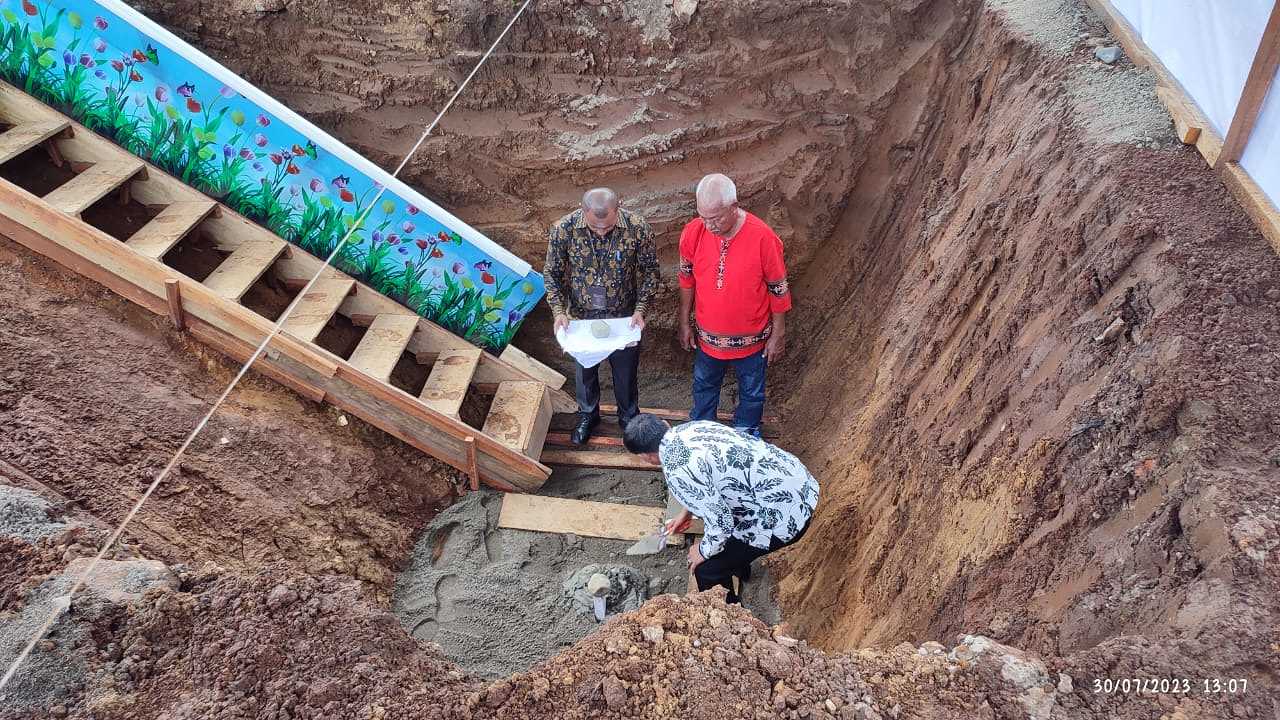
x,y
600,201
644,433
717,190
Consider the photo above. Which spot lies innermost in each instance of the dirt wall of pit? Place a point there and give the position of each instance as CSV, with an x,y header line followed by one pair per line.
x,y
991,464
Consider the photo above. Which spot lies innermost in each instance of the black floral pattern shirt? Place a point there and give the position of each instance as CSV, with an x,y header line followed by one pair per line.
x,y
622,266
740,486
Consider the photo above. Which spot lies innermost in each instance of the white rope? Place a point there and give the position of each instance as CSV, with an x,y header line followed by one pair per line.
x,y
63,603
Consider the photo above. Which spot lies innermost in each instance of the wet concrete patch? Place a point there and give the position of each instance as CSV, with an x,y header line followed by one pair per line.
x,y
497,601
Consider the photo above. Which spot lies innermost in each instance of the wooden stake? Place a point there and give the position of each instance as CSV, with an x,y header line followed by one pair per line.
x,y
1261,74
472,468
174,291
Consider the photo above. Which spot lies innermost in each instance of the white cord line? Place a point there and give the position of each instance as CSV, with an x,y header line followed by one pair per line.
x,y
64,602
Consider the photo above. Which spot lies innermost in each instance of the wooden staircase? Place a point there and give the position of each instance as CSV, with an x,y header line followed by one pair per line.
x,y
503,453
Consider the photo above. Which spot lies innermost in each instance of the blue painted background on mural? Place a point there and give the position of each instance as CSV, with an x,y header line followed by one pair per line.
x,y
88,62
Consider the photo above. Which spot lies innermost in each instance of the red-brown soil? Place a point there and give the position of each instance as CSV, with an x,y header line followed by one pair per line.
x,y
959,232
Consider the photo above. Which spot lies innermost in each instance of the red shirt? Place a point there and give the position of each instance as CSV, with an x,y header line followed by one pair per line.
x,y
738,284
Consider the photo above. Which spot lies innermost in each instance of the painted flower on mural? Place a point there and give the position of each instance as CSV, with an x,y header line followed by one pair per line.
x,y
422,244
135,76
247,154
412,210
437,253
86,60
139,56
458,268
276,158
98,22
316,185
293,170
526,287
341,183
117,66
161,93
99,45
408,227
226,92
68,59
260,140
193,105
263,120
393,239
74,20
376,237
29,8
237,117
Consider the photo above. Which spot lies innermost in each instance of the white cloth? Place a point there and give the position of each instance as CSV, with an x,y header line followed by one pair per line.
x,y
590,350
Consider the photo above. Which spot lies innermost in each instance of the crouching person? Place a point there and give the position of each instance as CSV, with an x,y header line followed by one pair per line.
x,y
753,497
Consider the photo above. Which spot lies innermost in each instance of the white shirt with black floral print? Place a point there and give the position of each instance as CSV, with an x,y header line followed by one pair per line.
x,y
740,486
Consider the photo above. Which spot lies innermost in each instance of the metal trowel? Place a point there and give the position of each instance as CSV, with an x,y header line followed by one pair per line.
x,y
652,543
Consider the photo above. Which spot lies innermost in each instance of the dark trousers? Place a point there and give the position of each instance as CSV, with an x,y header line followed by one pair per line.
x,y
708,377
735,559
625,364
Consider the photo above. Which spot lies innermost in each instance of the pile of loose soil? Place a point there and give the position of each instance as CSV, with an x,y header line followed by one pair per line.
x,y
96,394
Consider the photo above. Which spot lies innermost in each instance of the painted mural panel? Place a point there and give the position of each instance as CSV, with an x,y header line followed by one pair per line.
x,y
125,77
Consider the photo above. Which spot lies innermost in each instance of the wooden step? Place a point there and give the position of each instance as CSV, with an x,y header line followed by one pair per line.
x,y
316,307
519,416
172,224
613,459
449,379
21,138
242,268
90,186
383,344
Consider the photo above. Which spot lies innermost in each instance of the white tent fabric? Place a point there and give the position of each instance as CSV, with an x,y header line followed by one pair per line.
x,y
1208,45
1261,157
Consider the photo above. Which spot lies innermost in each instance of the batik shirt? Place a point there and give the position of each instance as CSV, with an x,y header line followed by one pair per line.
x,y
738,285
740,486
623,265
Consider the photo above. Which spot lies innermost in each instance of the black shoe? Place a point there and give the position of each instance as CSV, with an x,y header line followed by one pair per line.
x,y
582,432
623,423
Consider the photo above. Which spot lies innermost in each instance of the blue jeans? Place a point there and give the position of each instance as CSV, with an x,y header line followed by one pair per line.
x,y
708,376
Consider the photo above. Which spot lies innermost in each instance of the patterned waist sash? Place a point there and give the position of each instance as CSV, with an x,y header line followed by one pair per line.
x,y
735,342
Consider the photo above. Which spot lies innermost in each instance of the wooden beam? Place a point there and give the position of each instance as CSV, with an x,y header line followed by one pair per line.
x,y
1261,73
562,439
597,459
581,517
518,358
21,138
1188,123
472,471
1254,201
681,415
174,293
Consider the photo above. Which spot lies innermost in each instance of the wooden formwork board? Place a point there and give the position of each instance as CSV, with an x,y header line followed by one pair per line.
x,y
235,329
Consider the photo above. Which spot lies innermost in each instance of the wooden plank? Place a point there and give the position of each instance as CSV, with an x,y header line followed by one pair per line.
x,y
598,459
473,471
450,377
383,344
519,408
581,517
174,293
541,422
1187,124
312,311
242,268
681,415
1254,201
90,186
562,439
21,138
517,358
416,418
1261,74
172,224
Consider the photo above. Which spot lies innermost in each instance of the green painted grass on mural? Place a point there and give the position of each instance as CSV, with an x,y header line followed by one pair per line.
x,y
177,132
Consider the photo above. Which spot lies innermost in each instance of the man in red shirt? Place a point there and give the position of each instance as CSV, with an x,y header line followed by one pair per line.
x,y
733,279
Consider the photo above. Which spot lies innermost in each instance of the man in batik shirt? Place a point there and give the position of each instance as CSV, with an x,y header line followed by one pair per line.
x,y
733,280
753,497
602,263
